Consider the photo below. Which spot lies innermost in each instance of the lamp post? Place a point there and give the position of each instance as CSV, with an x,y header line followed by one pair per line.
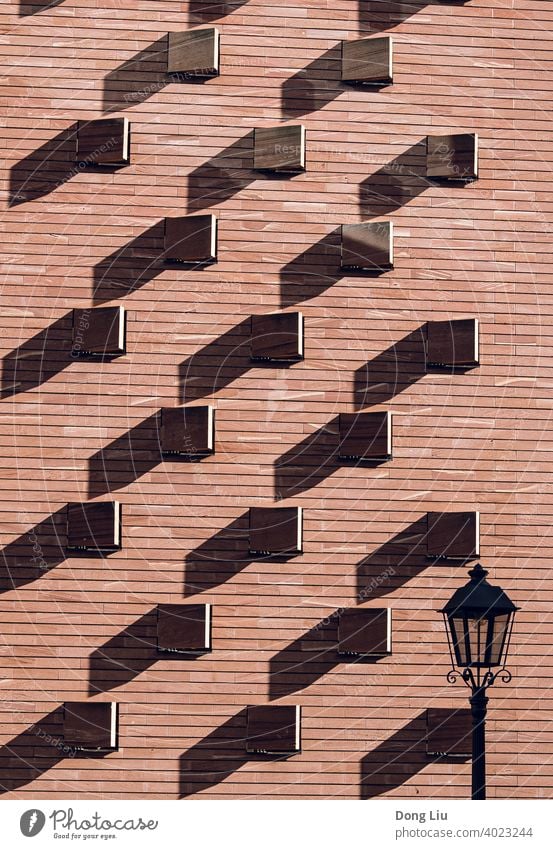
x,y
479,621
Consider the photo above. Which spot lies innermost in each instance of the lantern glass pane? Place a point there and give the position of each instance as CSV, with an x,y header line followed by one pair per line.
x,y
456,624
477,630
498,633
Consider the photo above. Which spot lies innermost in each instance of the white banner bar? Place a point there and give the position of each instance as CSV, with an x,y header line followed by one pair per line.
x,y
260,825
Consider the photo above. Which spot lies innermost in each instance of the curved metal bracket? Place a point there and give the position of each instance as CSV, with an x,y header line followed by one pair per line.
x,y
475,682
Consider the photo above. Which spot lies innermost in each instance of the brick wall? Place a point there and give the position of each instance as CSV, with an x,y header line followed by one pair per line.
x,y
479,440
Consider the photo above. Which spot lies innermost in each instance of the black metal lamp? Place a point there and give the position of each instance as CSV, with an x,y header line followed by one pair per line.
x,y
479,621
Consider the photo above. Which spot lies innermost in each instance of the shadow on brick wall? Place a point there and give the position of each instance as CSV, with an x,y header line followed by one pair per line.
x,y
217,364
138,78
223,175
28,7
33,752
125,655
203,11
38,359
392,564
220,754
397,759
313,271
309,658
394,184
127,458
392,371
131,266
34,553
44,169
312,460
223,556
311,88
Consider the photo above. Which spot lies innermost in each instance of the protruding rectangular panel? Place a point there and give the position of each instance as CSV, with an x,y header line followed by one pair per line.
x,y
184,628
277,337
276,530
368,246
453,343
99,331
188,431
191,239
452,157
94,526
103,142
274,729
365,436
194,53
368,61
91,726
279,148
449,732
453,535
365,631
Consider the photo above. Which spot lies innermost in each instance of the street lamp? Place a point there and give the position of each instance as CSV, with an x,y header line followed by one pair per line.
x,y
479,621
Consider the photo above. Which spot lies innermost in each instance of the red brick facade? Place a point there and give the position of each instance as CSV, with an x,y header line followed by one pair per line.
x,y
77,627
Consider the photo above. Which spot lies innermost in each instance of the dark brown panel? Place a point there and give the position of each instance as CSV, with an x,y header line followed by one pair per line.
x,y
452,157
275,530
191,239
368,246
188,430
278,336
279,148
99,331
194,53
366,435
274,729
184,628
367,60
449,732
90,725
453,535
104,142
452,343
94,525
365,630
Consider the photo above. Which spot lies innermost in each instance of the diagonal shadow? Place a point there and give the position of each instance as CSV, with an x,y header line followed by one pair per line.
x,y
396,183
392,371
217,364
137,78
312,460
223,175
397,759
132,266
393,564
38,359
33,752
309,462
125,655
35,552
45,169
315,85
380,15
217,756
223,556
28,7
127,458
313,271
202,11
309,658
